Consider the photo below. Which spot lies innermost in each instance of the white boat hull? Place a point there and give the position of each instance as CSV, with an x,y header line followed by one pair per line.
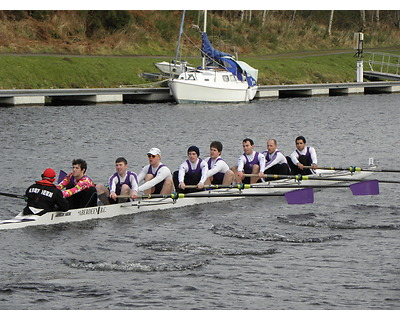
x,y
145,205
107,211
210,86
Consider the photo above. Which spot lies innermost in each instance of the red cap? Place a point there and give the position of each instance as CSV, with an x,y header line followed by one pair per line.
x,y
49,174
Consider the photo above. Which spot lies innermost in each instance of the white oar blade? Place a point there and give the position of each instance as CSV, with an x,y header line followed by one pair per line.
x,y
365,188
302,196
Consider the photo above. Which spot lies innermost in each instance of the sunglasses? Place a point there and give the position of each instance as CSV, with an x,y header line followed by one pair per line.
x,y
151,156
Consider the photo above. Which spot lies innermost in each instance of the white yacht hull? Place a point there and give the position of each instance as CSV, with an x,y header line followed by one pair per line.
x,y
210,86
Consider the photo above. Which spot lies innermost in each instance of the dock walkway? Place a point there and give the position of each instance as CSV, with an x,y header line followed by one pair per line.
x,y
17,97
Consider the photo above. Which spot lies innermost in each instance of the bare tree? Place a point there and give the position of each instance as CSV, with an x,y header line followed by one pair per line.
x,y
363,20
397,18
292,20
328,31
264,16
376,16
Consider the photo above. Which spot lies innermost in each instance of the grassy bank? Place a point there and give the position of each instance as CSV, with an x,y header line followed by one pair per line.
x,y
43,72
94,48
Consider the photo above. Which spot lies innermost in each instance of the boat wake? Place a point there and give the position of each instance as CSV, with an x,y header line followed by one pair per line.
x,y
346,224
227,231
205,250
132,266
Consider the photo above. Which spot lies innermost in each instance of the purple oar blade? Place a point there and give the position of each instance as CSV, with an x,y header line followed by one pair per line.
x,y
61,176
301,196
365,188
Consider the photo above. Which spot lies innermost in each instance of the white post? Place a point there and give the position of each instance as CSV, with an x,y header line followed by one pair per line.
x,y
358,44
203,61
360,71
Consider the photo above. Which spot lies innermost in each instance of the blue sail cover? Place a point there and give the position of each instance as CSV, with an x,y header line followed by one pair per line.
x,y
209,51
226,60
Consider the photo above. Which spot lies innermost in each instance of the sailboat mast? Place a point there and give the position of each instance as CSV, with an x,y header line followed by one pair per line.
x,y
179,38
203,61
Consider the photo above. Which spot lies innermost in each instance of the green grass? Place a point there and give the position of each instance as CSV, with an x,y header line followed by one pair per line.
x,y
313,69
43,72
34,72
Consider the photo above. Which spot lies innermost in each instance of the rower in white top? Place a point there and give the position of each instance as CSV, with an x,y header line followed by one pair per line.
x,y
122,182
218,170
193,171
302,156
157,176
275,161
250,162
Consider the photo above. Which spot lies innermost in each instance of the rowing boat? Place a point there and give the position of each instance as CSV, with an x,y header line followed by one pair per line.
x,y
271,188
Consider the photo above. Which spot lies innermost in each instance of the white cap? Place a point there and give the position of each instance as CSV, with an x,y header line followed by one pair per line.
x,y
154,152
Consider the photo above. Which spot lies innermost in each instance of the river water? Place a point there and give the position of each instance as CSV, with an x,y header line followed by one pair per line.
x,y
342,252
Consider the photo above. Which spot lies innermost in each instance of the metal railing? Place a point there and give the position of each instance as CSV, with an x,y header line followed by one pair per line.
x,y
383,62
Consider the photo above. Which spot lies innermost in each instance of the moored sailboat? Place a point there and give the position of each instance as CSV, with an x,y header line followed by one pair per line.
x,y
221,78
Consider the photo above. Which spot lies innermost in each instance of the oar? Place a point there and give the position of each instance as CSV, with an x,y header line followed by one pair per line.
x,y
61,176
367,187
300,177
301,196
12,195
354,169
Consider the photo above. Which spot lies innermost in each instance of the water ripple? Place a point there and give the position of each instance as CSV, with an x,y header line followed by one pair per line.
x,y
347,224
228,231
132,266
197,249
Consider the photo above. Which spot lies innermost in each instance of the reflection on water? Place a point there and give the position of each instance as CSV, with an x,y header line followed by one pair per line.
x,y
338,253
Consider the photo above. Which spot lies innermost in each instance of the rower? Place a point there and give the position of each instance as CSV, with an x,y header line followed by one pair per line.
x,y
191,172
78,188
276,162
157,176
122,182
250,162
218,170
302,156
43,196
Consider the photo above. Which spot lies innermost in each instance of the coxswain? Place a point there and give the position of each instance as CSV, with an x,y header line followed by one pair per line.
x,y
157,176
43,196
78,188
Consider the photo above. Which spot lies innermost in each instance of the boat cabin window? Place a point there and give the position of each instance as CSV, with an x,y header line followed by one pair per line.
x,y
225,78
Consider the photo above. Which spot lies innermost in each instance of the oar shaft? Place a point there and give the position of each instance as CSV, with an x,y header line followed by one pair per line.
x,y
268,186
220,186
203,195
300,177
11,195
353,169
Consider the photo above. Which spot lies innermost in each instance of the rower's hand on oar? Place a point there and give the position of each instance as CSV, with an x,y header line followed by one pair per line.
x,y
134,195
182,185
314,166
200,185
300,165
113,196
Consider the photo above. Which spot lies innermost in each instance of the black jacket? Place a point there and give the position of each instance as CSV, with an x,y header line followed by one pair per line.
x,y
44,195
